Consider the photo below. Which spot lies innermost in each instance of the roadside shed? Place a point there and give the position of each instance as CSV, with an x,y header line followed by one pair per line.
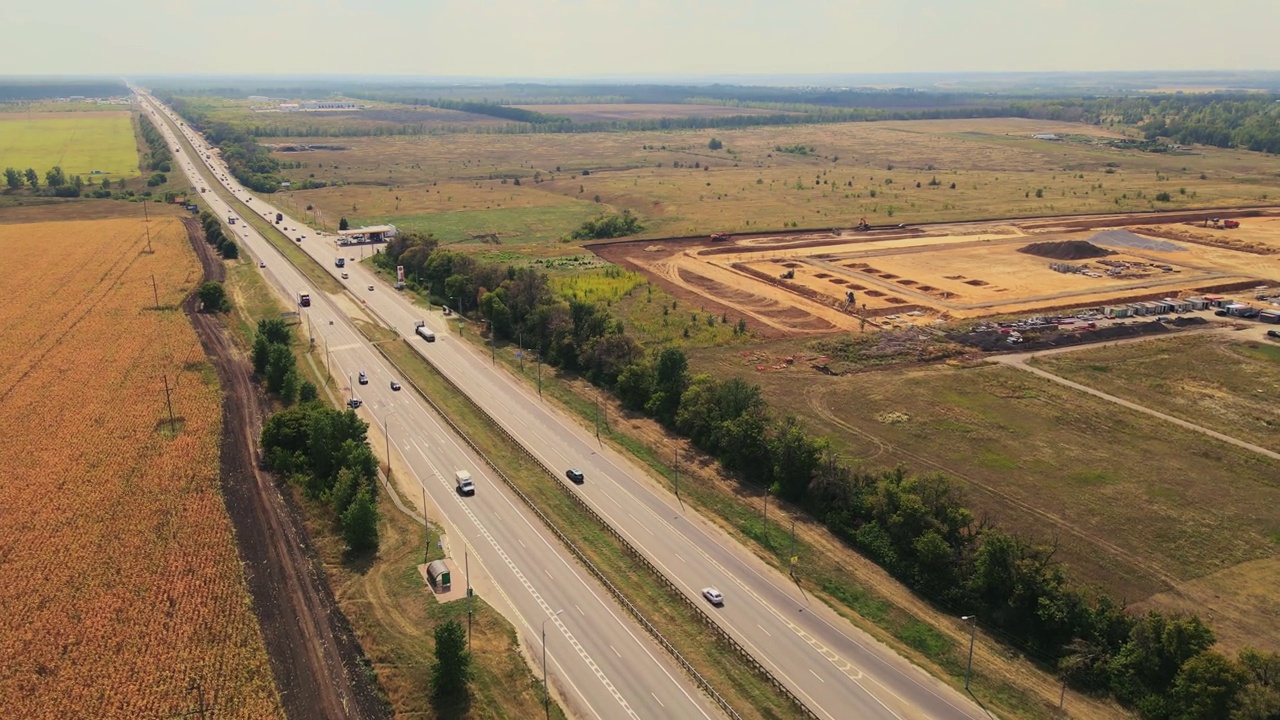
x,y
438,573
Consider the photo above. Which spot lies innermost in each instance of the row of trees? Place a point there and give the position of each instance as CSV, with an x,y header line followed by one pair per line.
x,y
158,156
214,236
248,161
57,183
916,526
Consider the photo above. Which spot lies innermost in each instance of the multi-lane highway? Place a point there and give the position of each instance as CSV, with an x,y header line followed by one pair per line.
x,y
601,662
838,671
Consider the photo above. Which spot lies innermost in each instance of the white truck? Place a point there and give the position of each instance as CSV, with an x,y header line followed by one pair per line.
x,y
463,480
424,332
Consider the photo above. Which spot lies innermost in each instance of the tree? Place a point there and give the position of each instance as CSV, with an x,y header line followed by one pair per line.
x,y
1206,687
1146,666
343,224
360,523
229,250
33,178
307,392
452,671
671,379
106,183
261,353
280,361
55,177
214,297
13,178
157,179
715,144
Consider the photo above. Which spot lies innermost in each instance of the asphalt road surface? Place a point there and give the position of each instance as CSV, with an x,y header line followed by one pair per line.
x,y
836,669
600,661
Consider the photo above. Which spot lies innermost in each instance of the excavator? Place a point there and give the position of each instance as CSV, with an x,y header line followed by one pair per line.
x,y
719,237
862,225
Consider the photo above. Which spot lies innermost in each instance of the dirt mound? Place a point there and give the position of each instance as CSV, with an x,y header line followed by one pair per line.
x,y
1066,250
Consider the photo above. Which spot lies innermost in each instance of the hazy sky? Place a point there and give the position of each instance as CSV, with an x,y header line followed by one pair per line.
x,y
564,38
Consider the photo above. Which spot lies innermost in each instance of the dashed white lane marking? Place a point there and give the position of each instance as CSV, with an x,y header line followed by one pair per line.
x,y
816,675
655,697
766,632
615,651
678,557
555,619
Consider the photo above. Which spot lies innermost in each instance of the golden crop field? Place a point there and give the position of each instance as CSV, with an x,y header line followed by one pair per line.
x,y
123,591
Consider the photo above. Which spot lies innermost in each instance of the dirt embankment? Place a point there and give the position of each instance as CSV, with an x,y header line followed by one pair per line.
x,y
315,658
1066,250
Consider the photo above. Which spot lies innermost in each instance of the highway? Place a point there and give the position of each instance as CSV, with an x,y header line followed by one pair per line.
x,y
601,662
837,670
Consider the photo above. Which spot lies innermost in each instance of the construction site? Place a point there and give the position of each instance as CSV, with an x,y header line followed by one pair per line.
x,y
865,278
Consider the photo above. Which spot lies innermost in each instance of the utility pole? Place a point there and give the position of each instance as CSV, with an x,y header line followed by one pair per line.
x,y
520,344
168,400
155,291
766,516
677,471
146,219
539,377
597,415
791,554
973,630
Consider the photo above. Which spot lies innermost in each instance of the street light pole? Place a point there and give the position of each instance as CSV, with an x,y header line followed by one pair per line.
x,y
546,690
973,629
386,433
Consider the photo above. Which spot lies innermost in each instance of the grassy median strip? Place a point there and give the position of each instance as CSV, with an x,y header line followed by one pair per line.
x,y
749,694
819,572
302,261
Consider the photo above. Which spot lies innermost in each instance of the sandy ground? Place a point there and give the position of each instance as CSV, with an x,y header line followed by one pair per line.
x,y
968,270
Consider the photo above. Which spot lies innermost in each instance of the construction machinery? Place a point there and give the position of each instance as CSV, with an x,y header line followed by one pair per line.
x,y
719,237
789,275
862,225
1230,224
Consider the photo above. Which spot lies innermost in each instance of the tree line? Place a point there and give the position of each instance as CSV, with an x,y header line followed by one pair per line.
x,y
213,235
324,451
248,161
916,526
57,183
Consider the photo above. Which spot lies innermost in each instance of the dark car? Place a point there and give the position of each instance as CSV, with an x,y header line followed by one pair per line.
x,y
1220,313
575,475
354,403
1273,334
395,385
364,379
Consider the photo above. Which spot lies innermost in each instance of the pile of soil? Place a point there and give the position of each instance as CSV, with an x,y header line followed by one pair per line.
x,y
1066,250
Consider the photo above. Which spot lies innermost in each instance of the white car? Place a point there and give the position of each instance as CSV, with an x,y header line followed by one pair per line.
x,y
713,596
344,276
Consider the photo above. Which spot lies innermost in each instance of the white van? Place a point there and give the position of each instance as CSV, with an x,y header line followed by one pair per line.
x,y
463,479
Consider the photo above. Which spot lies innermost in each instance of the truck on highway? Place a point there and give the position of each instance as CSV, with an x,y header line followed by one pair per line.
x,y
231,219
304,299
423,331
340,262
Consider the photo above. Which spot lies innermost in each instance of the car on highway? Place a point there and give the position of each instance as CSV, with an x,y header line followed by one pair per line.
x,y
354,403
395,385
364,379
370,288
261,264
345,276
575,475
713,596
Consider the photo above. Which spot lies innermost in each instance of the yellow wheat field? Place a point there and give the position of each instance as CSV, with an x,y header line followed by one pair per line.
x,y
120,585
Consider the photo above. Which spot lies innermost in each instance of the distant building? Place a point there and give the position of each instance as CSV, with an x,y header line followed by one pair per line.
x,y
258,98
371,234
1046,136
329,105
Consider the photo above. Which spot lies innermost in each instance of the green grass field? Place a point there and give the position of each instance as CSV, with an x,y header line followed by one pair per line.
x,y
80,143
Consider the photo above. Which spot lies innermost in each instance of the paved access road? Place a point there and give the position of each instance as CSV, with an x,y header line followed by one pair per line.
x,y
837,670
602,664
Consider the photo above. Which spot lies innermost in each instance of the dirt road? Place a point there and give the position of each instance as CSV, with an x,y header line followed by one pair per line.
x,y
314,657
1019,361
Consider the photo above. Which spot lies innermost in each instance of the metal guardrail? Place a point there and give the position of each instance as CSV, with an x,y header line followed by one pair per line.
x,y
635,554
